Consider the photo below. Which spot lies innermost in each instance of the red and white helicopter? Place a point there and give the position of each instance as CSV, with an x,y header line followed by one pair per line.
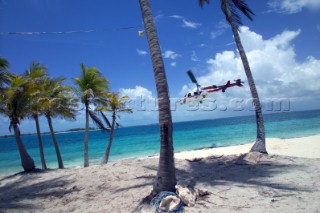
x,y
201,93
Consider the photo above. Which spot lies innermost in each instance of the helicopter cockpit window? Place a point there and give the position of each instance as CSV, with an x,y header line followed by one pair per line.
x,y
189,95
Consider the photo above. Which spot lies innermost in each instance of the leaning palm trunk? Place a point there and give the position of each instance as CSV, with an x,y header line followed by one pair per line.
x,y
86,138
107,152
26,161
43,161
166,176
56,146
259,145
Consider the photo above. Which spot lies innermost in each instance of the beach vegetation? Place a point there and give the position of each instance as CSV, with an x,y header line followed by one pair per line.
x,y
36,76
115,105
92,88
4,74
15,103
231,9
58,101
166,176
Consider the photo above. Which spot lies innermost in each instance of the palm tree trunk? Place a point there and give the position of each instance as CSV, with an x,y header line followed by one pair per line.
x,y
56,145
107,152
260,144
43,161
166,176
86,138
26,161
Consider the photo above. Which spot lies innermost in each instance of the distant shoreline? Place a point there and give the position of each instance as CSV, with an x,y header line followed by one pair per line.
x,y
47,133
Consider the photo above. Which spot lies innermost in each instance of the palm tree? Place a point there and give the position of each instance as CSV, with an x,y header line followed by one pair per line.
x,y
116,104
58,101
15,103
166,176
92,89
36,75
4,64
4,75
230,8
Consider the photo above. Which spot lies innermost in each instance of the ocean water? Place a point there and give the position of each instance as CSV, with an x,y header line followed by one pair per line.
x,y
141,141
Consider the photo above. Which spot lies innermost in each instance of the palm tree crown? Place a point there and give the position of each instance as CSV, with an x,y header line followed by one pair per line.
x,y
230,9
4,75
91,85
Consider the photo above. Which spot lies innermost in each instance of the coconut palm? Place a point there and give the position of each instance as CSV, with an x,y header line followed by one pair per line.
x,y
4,75
36,76
230,9
166,176
115,105
15,103
57,101
92,88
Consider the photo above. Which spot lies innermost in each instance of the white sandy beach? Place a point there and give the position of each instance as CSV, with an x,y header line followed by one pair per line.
x,y
287,180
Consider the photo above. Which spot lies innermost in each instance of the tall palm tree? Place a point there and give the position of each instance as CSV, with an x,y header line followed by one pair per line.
x,y
166,176
230,9
58,101
92,88
36,76
115,105
15,104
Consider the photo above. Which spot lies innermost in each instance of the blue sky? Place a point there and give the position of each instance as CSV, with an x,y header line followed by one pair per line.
x,y
282,45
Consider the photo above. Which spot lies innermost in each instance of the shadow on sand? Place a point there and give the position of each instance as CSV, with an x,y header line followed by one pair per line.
x,y
17,190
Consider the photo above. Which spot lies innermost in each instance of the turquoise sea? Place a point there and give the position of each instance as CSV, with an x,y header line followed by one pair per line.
x,y
141,141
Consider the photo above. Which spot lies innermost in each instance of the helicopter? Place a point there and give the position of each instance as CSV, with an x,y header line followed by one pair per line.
x,y
201,93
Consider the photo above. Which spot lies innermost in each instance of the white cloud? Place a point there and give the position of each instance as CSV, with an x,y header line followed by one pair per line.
x,y
185,23
293,6
223,25
277,72
141,52
194,57
173,64
170,54
136,93
217,33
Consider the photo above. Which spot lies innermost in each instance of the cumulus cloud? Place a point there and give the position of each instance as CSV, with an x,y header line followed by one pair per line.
x,y
185,23
293,6
277,72
136,93
142,52
170,54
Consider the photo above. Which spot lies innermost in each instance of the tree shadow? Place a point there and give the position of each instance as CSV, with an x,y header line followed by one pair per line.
x,y
14,194
234,169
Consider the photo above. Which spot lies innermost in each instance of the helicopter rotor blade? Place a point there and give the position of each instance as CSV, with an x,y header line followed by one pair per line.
x,y
192,78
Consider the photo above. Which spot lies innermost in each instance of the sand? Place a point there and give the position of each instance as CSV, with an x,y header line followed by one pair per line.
x,y
287,180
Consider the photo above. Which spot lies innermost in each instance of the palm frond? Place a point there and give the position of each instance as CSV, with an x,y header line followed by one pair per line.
x,y
106,120
231,9
97,121
202,2
10,127
4,64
